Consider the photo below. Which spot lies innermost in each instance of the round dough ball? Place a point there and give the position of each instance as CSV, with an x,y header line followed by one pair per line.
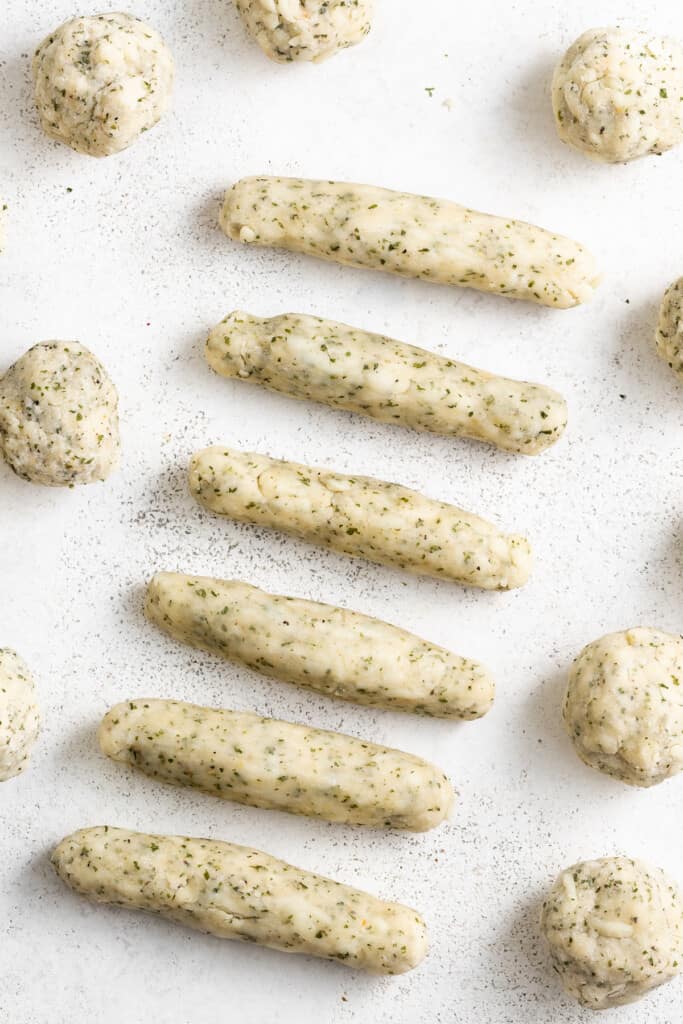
x,y
19,715
615,930
58,416
288,30
101,81
624,705
617,94
670,327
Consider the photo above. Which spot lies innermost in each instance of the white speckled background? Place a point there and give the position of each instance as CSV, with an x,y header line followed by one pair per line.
x,y
131,262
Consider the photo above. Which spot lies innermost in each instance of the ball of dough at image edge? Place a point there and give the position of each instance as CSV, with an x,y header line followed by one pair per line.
x,y
617,94
614,927
58,416
670,328
623,709
19,715
100,81
305,30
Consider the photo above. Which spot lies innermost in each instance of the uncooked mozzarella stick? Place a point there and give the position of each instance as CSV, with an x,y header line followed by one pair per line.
x,y
360,516
234,892
415,236
307,357
332,650
263,762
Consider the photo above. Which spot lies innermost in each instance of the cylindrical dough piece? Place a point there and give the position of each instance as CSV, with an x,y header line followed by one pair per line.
x,y
670,328
360,516
617,94
623,708
332,650
307,357
101,81
615,930
415,236
59,416
288,30
19,714
234,892
264,762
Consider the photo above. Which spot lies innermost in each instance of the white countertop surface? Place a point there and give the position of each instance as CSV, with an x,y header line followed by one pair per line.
x,y
125,255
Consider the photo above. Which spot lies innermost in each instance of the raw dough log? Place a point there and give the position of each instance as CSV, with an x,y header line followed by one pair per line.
x,y
307,357
235,892
19,714
332,650
277,765
360,516
289,30
415,236
670,328
615,930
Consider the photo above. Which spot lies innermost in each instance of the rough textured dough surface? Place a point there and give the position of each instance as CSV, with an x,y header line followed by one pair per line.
x,y
415,236
101,81
335,651
360,516
615,930
624,705
311,358
314,30
19,714
235,892
264,762
58,416
617,94
670,328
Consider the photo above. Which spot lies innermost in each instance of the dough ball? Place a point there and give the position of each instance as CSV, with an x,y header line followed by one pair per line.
x,y
615,930
58,416
624,705
670,327
617,94
314,30
19,715
101,81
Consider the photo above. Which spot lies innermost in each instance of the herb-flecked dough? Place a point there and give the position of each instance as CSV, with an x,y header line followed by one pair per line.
x,y
19,714
311,358
669,336
234,892
263,762
414,236
334,651
360,516
306,30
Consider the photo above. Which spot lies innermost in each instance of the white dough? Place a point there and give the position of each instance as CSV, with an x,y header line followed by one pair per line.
x,y
101,81
360,516
313,30
58,416
235,892
411,235
617,94
670,328
19,714
264,762
308,357
624,705
615,930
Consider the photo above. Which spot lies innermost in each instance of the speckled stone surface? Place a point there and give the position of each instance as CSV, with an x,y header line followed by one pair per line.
x,y
125,254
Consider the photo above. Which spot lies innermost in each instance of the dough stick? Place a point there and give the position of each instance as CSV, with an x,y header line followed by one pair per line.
x,y
360,516
235,892
306,357
415,236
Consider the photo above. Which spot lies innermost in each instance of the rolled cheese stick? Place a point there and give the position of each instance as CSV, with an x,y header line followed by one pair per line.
x,y
360,516
307,357
332,650
415,236
277,765
235,892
